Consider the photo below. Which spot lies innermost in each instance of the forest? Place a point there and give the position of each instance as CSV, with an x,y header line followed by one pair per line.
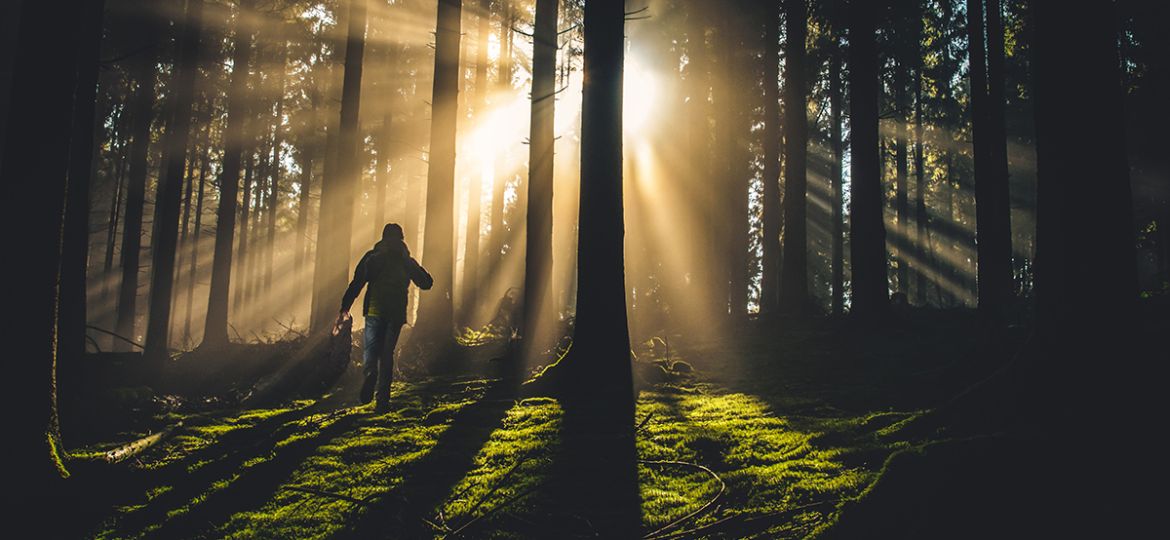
x,y
630,269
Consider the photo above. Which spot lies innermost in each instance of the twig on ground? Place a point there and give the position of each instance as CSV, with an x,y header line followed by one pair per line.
x,y
696,513
642,425
136,447
117,336
747,520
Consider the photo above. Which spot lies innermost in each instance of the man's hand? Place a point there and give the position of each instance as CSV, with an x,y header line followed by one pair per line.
x,y
342,316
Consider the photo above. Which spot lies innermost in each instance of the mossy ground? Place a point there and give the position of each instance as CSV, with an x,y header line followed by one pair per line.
x,y
776,440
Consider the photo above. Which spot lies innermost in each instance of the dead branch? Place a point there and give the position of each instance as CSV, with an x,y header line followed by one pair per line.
x,y
658,533
764,519
136,447
117,336
508,502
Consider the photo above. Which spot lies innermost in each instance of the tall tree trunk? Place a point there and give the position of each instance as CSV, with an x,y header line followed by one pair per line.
x,y
197,232
141,105
794,282
902,180
75,239
215,329
242,262
836,177
471,252
922,245
867,232
503,170
436,312
1085,229
538,258
335,227
277,167
993,244
164,241
33,173
308,161
382,173
773,138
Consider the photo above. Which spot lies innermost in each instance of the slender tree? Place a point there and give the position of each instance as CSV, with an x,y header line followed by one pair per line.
x,y
867,232
836,145
436,313
991,189
773,139
337,193
216,326
538,259
141,110
75,239
164,241
794,282
471,252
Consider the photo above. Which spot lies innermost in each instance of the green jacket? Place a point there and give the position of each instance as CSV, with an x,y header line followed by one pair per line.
x,y
389,270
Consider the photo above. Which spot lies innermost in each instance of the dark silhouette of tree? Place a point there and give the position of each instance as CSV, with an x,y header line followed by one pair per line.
x,y
33,171
75,237
794,281
1068,44
335,223
142,114
495,241
867,230
991,183
216,326
436,316
164,241
538,254
772,140
836,144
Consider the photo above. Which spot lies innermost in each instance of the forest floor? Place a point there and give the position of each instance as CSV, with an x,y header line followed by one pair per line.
x,y
755,435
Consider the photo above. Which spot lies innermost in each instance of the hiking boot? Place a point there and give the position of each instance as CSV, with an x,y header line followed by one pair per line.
x,y
382,407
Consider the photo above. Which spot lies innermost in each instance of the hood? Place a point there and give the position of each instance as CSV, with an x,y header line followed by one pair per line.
x,y
394,246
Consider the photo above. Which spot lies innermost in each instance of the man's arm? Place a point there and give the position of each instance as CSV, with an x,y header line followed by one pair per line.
x,y
418,274
360,278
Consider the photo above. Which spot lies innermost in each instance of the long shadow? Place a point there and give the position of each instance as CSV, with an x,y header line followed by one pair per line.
x,y
401,512
592,491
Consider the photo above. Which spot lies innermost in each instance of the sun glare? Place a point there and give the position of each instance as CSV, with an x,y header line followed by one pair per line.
x,y
641,95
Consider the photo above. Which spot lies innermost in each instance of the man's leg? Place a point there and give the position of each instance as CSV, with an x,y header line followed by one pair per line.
x,y
386,366
373,342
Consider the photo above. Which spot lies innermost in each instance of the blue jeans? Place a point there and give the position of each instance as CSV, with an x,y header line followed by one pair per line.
x,y
381,336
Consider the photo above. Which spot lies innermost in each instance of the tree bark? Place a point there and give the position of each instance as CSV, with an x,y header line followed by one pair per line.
x,y
164,241
902,172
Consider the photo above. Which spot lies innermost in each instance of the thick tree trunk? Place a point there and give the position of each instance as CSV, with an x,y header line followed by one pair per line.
x,y
836,177
794,283
277,167
867,232
164,242
436,316
215,329
382,173
196,233
993,243
773,138
538,258
33,173
142,114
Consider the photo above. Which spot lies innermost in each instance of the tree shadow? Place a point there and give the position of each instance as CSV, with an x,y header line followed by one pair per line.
x,y
592,489
405,511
